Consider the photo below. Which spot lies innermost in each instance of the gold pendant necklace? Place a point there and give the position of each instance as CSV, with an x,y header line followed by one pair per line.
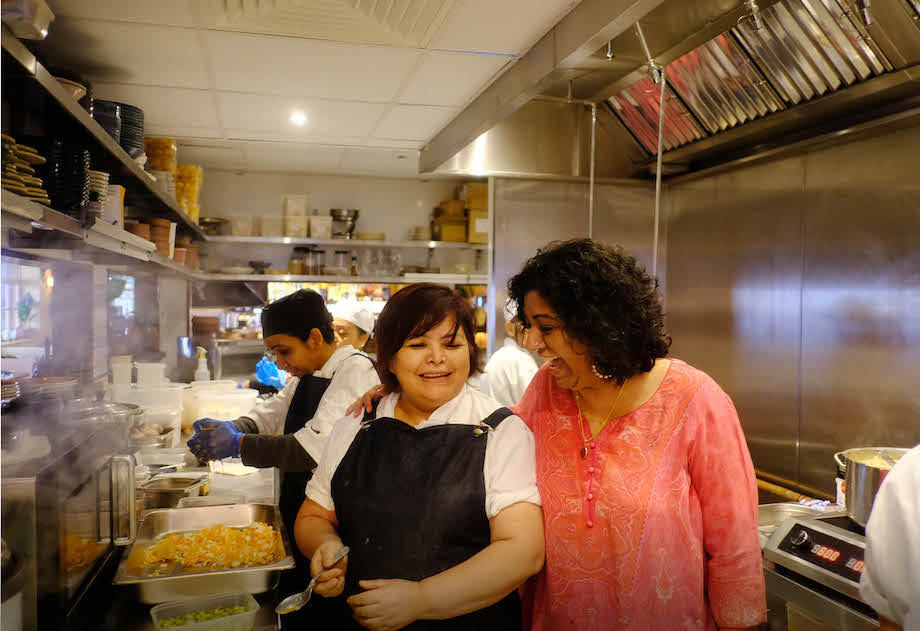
x,y
581,418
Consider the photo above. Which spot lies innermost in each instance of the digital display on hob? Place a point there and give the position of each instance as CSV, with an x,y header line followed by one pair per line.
x,y
818,548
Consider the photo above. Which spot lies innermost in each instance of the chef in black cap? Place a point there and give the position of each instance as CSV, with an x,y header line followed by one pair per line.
x,y
289,430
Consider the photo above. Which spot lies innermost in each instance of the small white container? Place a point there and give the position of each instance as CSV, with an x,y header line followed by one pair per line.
x,y
241,225
238,622
150,373
320,227
121,369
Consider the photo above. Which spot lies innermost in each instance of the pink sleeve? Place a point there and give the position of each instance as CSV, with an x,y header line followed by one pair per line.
x,y
722,475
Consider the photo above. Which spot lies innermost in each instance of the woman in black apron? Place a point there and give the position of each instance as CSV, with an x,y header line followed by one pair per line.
x,y
434,493
297,329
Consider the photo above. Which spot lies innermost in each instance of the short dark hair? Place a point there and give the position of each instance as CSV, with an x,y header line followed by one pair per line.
x,y
605,299
414,310
297,314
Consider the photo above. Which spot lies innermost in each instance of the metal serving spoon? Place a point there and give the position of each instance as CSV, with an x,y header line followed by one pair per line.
x,y
296,601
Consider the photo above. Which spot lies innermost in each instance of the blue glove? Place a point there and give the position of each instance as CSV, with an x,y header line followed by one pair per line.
x,y
269,374
215,440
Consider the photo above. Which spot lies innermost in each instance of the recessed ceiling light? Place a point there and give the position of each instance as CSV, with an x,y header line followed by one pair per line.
x,y
298,118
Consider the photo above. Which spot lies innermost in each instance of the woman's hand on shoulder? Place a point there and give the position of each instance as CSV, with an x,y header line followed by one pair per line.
x,y
388,604
366,402
332,582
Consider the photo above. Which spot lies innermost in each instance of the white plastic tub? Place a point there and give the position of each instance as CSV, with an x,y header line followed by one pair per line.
x,y
150,373
238,622
224,404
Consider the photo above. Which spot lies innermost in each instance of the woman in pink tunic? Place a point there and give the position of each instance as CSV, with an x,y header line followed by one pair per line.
x,y
649,494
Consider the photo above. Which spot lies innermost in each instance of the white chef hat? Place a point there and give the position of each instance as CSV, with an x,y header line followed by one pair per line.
x,y
352,311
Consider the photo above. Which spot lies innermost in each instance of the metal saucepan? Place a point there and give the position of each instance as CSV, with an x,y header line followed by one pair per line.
x,y
866,468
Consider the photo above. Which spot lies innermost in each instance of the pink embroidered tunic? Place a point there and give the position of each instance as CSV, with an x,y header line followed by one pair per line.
x,y
657,527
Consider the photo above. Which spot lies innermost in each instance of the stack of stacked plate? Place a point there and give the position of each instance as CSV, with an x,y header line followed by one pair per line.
x,y
19,172
132,130
98,191
67,176
108,115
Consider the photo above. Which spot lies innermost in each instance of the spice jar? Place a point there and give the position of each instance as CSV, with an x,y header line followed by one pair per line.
x,y
308,262
319,262
296,263
354,265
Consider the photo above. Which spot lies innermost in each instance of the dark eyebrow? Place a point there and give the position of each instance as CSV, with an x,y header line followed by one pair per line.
x,y
544,315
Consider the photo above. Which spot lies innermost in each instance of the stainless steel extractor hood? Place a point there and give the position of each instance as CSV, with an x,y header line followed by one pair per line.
x,y
738,83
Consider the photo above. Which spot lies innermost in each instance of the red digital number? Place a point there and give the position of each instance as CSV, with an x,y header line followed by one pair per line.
x,y
834,555
859,566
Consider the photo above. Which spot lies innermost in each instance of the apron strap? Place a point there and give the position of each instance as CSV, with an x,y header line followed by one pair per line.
x,y
496,417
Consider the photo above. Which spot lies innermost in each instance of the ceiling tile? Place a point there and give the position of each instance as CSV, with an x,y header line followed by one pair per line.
x,y
271,114
369,161
168,12
395,143
121,52
299,67
181,131
163,107
301,157
483,25
446,78
219,156
414,122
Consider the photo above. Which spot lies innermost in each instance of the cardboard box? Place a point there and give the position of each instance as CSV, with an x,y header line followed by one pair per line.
x,y
474,189
478,229
449,229
477,204
452,208
295,205
320,227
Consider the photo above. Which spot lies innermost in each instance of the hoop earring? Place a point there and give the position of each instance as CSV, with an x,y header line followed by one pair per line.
x,y
599,374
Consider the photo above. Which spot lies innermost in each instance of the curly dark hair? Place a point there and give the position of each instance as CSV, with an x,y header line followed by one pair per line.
x,y
605,300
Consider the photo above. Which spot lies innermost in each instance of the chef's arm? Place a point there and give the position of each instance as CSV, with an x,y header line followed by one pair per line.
x,y
260,450
516,553
314,526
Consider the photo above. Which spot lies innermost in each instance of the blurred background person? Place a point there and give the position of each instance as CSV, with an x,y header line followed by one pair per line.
x,y
352,323
510,369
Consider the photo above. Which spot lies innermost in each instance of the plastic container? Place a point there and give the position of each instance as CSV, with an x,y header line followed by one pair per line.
x,y
150,373
272,226
241,225
224,404
166,418
320,227
162,395
122,369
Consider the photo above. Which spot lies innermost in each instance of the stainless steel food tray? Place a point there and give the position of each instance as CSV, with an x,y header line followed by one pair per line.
x,y
184,583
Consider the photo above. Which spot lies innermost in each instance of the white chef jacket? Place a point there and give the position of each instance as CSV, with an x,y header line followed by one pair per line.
x,y
508,373
509,470
891,580
351,373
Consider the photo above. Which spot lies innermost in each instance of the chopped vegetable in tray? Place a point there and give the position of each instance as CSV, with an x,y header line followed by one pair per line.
x,y
218,548
202,616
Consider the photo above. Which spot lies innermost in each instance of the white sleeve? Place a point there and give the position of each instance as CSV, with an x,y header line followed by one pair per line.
x,y
523,374
319,488
510,468
890,583
269,415
354,377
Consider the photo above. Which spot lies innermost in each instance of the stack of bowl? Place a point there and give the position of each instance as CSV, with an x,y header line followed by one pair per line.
x,y
108,115
132,130
138,228
67,176
162,234
98,191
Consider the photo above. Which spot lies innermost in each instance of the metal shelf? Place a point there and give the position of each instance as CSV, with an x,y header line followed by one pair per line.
x,y
140,183
346,243
457,279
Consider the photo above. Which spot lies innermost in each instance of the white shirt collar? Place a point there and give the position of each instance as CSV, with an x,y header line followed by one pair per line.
x,y
335,360
459,410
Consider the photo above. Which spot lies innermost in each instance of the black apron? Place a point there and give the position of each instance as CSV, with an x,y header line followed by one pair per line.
x,y
303,406
411,504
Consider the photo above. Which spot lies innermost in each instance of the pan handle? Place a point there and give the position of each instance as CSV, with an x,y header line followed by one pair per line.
x,y
123,497
840,463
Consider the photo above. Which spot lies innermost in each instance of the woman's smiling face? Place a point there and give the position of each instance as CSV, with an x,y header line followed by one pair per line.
x,y
432,368
569,362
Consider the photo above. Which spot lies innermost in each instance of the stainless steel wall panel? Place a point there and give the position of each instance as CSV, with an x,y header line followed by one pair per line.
x,y
733,297
796,285
625,216
861,304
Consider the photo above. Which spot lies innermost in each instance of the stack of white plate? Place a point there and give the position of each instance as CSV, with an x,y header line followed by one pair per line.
x,y
98,190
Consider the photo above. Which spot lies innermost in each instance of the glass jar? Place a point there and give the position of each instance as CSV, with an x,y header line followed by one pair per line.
x,y
309,262
296,263
319,262
341,259
354,265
